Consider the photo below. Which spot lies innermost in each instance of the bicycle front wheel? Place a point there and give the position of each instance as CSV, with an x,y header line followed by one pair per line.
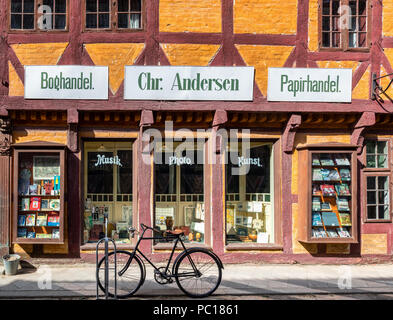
x,y
198,273
129,282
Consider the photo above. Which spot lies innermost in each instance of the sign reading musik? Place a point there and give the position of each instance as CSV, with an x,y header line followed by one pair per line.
x,y
309,85
66,82
188,83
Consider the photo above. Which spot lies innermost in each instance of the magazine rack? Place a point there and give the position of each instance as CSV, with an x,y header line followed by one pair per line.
x,y
328,193
38,193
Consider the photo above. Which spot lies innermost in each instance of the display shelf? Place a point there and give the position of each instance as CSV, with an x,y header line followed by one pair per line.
x,y
38,194
326,197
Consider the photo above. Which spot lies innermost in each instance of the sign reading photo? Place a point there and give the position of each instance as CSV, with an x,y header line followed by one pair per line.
x,y
188,83
309,85
66,82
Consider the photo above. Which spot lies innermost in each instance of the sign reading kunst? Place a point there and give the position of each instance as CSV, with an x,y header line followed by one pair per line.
x,y
188,83
309,85
66,82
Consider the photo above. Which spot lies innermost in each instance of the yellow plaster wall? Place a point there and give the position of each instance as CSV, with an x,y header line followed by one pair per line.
x,y
115,56
27,135
374,244
298,247
190,54
339,248
33,54
263,57
387,20
313,25
268,16
190,15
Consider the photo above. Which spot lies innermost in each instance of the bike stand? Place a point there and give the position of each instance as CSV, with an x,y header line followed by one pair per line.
x,y
106,242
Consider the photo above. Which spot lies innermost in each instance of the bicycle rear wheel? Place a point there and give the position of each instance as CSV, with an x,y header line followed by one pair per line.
x,y
198,273
129,282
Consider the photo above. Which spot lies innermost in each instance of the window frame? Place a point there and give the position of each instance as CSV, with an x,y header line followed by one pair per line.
x,y
375,172
344,43
113,23
37,3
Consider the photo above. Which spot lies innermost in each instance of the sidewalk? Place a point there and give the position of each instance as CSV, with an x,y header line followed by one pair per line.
x,y
76,280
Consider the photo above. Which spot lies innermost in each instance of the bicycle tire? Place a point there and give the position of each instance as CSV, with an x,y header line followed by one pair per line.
x,y
123,290
201,258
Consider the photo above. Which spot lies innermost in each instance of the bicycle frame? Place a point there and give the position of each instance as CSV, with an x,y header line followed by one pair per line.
x,y
163,274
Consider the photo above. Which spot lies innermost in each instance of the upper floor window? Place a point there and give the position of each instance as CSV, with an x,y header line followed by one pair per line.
x,y
38,15
344,24
113,15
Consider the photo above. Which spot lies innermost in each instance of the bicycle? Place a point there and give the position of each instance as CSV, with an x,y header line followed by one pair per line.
x,y
197,271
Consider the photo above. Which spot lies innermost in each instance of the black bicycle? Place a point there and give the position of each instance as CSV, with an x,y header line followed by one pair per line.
x,y
197,270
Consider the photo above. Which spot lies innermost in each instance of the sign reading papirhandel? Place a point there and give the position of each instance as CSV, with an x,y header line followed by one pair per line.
x,y
66,82
309,85
188,83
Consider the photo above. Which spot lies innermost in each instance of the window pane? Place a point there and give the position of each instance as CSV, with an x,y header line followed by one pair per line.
x,y
60,21
103,21
326,7
371,161
383,183
335,22
370,146
48,3
352,5
382,162
362,7
28,21
165,177
191,179
135,22
371,199
371,185
352,40
123,20
91,5
326,39
326,23
28,6
383,212
16,21
123,5
335,39
99,177
371,212
16,6
258,177
382,147
103,5
135,5
352,26
362,40
335,6
362,23
383,197
60,6
91,21
124,172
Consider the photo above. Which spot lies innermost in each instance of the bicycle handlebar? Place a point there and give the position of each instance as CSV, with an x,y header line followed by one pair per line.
x,y
145,227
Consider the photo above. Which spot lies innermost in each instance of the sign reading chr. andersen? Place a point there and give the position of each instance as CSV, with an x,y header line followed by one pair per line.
x,y
309,85
188,83
66,82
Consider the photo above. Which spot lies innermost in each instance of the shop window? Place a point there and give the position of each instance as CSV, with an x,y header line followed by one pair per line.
x,y
249,193
39,15
378,207
39,206
344,24
113,15
108,189
179,190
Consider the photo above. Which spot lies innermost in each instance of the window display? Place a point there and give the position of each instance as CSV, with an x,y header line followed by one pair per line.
x,y
179,189
331,195
39,205
249,193
108,190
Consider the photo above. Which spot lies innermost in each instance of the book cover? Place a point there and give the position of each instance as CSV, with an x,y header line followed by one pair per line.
x,y
342,189
45,204
41,219
22,233
25,204
316,174
345,174
326,160
43,236
30,220
345,219
35,203
55,234
316,204
316,233
325,174
316,190
48,188
33,189
316,219
342,204
333,175
315,160
54,204
332,233
342,160
31,235
328,190
330,219
326,206
322,232
56,183
343,233
21,220
53,220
